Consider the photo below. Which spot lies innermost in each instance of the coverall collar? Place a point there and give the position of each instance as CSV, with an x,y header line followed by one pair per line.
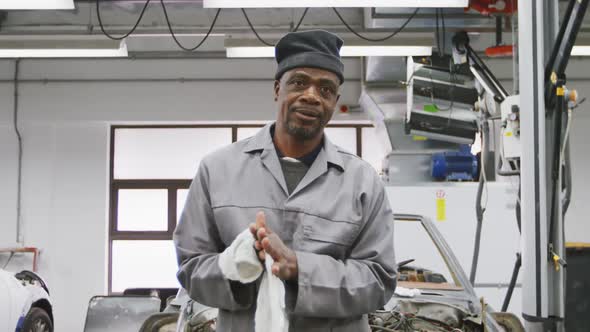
x,y
263,141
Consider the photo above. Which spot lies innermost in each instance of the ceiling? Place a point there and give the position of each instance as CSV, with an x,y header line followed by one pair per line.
x,y
188,17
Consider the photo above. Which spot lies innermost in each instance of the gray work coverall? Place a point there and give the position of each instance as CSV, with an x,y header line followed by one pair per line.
x,y
337,220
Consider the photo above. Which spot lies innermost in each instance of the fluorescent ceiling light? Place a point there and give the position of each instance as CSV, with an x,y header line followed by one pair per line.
x,y
60,47
62,53
36,4
416,46
250,52
386,51
332,3
346,51
163,43
581,50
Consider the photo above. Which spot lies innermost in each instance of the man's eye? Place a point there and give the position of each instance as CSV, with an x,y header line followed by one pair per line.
x,y
327,90
298,83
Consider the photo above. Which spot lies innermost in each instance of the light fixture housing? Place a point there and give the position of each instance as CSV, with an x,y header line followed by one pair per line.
x,y
332,3
61,47
36,4
581,50
252,48
163,44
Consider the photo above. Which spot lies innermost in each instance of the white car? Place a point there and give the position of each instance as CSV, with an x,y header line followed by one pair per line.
x,y
25,305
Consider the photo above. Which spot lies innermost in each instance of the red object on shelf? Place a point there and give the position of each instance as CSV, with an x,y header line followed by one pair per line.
x,y
343,109
33,250
487,7
498,51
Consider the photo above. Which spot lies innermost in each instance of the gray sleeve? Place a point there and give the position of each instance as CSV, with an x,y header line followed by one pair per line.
x,y
198,245
362,283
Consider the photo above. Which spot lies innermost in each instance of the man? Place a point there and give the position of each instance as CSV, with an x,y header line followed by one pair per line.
x,y
320,212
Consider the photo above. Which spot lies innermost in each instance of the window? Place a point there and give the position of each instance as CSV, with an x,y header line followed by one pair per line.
x,y
143,264
151,170
142,209
164,153
429,258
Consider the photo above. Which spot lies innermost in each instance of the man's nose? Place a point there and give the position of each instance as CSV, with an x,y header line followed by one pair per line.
x,y
311,95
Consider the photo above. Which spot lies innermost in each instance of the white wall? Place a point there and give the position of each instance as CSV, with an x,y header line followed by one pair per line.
x,y
65,127
8,161
64,211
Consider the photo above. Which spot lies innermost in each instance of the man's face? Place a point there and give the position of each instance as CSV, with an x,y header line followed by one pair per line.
x,y
307,98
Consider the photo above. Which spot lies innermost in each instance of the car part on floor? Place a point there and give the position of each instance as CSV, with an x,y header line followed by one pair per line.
x,y
424,316
160,322
119,313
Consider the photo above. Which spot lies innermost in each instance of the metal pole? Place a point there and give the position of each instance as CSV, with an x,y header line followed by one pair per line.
x,y
533,161
20,239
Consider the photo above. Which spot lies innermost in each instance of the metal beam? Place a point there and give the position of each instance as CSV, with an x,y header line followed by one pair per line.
x,y
543,234
533,183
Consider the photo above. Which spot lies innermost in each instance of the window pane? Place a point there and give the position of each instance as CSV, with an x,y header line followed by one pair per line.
x,y
343,137
142,210
181,195
411,235
247,132
164,153
373,148
144,264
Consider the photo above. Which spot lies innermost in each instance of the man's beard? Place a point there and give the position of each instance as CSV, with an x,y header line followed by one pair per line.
x,y
303,133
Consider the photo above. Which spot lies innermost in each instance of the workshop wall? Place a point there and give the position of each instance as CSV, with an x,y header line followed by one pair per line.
x,y
64,122
8,161
64,114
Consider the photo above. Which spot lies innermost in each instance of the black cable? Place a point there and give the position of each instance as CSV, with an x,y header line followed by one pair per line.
x,y
479,215
8,260
567,171
512,284
376,39
254,30
579,103
453,79
20,154
300,20
130,31
444,30
518,210
188,49
480,65
479,210
381,328
498,30
518,262
436,26
568,179
556,167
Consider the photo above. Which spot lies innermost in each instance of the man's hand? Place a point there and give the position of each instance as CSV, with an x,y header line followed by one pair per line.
x,y
267,242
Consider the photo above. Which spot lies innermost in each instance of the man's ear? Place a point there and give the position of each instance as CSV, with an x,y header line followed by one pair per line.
x,y
337,98
277,87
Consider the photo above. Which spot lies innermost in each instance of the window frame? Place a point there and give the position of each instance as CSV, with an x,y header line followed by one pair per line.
x,y
171,185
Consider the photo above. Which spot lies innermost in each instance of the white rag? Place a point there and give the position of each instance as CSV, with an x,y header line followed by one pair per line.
x,y
406,292
239,262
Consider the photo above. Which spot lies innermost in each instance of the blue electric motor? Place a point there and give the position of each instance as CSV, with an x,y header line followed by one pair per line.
x,y
454,165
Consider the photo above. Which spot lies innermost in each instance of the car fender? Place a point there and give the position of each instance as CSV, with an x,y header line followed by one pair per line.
x,y
16,305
